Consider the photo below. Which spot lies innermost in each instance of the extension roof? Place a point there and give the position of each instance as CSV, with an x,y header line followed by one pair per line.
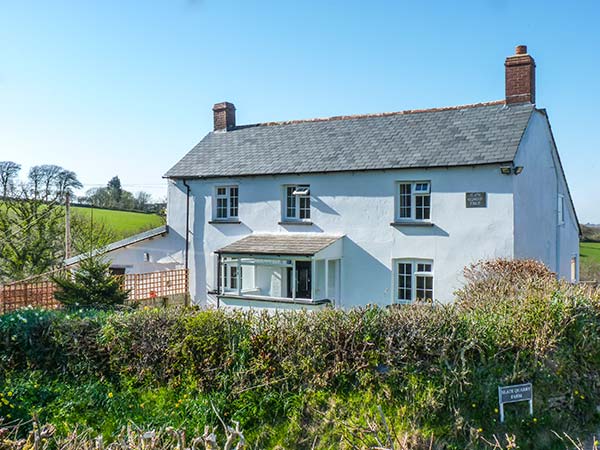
x,y
292,244
484,133
144,236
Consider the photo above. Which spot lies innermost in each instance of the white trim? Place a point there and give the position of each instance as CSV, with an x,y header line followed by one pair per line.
x,y
414,274
298,194
227,197
413,201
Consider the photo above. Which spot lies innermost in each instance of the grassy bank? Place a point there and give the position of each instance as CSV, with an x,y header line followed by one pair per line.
x,y
590,251
318,380
122,223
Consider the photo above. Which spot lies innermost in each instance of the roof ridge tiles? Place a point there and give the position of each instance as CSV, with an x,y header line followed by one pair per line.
x,y
370,115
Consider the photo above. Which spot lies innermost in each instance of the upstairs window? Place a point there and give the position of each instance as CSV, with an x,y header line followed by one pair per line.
x,y
414,280
297,202
227,202
413,201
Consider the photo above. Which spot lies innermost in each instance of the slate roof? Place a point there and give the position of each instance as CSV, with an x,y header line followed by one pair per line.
x,y
145,235
280,244
456,136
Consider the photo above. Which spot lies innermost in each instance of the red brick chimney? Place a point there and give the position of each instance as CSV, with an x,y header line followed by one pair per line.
x,y
520,77
224,116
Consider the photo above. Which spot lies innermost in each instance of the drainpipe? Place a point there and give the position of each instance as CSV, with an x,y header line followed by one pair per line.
x,y
218,280
187,239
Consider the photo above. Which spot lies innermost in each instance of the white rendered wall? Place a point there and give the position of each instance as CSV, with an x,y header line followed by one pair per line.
x,y
537,232
359,205
165,252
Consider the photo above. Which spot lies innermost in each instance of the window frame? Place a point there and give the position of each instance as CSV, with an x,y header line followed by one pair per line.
x,y
300,203
414,275
232,211
415,196
560,209
229,276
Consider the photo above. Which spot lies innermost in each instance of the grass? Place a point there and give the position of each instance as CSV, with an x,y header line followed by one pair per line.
x,y
122,223
590,251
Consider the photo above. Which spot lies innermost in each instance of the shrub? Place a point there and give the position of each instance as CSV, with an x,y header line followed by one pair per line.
x,y
291,376
90,286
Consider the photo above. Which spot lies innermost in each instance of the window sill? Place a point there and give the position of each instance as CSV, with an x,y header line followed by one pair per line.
x,y
294,222
411,223
219,222
262,298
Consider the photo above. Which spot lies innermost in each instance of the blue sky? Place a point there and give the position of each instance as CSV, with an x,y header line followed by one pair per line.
x,y
126,87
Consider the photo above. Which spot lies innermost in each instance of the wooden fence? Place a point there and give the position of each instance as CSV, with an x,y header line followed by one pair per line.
x,y
39,292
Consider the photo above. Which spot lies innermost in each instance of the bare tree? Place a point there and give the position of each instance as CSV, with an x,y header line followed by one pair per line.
x,y
8,176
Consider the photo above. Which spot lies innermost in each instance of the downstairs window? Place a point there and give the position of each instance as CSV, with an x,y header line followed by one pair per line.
x,y
414,280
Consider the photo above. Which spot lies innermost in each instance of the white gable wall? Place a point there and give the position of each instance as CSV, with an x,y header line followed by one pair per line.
x,y
537,232
359,205
164,253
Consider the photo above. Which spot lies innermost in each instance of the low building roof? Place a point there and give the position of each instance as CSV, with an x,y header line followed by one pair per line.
x,y
484,133
159,231
291,244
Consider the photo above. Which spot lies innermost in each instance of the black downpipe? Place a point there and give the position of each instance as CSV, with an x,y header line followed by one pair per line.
x,y
218,280
187,238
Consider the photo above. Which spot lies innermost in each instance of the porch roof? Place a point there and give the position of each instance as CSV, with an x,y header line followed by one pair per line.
x,y
280,244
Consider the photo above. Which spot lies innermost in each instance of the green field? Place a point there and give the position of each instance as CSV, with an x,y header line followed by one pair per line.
x,y
122,223
590,252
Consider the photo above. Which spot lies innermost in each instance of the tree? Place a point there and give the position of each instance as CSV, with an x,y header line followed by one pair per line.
x,y
115,189
114,196
8,177
32,221
90,286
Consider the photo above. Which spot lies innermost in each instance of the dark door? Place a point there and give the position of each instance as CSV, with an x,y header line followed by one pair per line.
x,y
303,279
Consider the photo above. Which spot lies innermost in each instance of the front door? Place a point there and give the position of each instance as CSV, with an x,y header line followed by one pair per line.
x,y
303,279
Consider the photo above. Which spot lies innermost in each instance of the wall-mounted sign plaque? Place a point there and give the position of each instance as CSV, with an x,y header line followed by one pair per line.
x,y
476,199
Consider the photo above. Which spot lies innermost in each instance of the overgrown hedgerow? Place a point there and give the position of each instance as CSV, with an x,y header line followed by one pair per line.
x,y
293,377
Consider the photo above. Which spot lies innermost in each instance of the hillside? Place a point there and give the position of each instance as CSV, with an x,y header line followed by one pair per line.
x,y
122,223
590,252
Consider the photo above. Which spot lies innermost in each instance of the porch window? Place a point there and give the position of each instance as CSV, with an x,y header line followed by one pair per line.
x,y
230,276
413,200
414,280
227,202
297,202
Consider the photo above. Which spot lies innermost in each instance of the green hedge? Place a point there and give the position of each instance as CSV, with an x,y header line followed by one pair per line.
x,y
291,378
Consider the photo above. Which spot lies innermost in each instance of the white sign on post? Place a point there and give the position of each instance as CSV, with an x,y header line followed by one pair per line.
x,y
515,393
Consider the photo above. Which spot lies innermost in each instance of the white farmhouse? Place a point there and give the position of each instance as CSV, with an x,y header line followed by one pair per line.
x,y
378,208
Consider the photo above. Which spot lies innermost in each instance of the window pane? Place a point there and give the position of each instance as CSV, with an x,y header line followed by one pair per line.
x,y
424,287
233,277
224,278
405,281
422,207
304,207
290,202
233,202
422,188
221,208
221,191
405,200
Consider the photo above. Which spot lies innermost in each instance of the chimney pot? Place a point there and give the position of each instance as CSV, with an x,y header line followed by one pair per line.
x,y
224,116
521,50
520,77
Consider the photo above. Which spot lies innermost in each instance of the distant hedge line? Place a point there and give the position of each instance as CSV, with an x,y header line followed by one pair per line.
x,y
433,369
